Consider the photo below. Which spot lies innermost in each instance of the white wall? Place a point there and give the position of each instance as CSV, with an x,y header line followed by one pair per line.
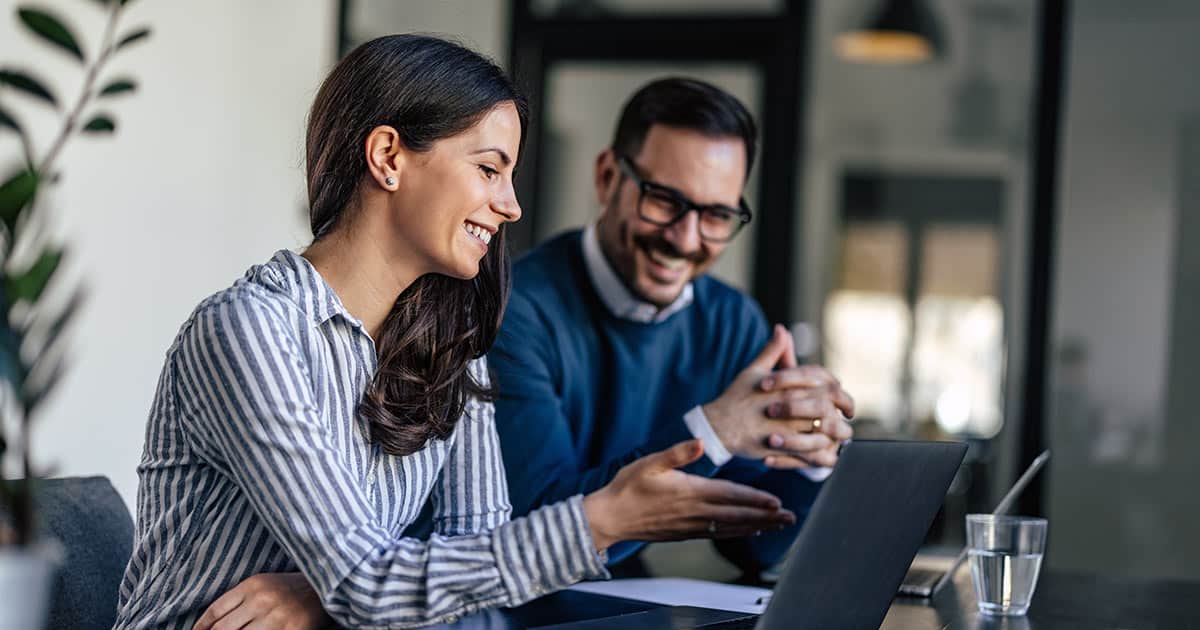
x,y
203,179
479,24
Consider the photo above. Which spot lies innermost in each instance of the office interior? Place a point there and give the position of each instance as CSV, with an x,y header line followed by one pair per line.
x,y
995,243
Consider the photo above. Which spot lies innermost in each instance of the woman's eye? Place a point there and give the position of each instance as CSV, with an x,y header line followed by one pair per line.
x,y
488,171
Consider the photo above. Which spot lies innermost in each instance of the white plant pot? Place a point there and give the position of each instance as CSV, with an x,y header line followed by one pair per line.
x,y
26,583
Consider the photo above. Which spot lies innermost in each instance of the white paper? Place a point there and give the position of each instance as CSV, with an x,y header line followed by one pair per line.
x,y
683,592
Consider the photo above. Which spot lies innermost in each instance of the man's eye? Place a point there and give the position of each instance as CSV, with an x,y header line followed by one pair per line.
x,y
719,215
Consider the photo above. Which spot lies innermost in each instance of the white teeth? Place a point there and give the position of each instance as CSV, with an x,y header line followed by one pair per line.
x,y
669,262
478,232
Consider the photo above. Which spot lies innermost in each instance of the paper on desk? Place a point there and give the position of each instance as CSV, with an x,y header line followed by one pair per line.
x,y
682,592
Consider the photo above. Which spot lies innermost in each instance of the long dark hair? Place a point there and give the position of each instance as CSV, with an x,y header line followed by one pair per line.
x,y
427,89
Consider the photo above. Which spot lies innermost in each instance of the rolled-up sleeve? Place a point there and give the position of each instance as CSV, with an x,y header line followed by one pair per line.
x,y
249,408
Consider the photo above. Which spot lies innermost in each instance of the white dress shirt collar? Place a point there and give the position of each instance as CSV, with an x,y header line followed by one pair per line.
x,y
619,300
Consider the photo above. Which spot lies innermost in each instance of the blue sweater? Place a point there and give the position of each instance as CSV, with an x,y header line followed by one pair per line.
x,y
582,392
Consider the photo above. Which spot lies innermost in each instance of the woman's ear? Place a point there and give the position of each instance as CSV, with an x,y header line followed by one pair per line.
x,y
385,157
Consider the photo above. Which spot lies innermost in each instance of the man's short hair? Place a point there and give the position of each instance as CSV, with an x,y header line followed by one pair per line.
x,y
687,103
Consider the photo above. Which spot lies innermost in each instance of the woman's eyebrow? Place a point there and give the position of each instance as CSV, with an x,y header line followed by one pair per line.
x,y
504,159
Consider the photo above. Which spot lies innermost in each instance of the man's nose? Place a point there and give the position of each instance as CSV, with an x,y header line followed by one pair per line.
x,y
684,234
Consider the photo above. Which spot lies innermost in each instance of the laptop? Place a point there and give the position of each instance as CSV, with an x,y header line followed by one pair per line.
x,y
852,553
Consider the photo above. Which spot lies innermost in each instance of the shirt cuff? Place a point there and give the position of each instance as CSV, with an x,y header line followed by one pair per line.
x,y
547,550
816,475
702,430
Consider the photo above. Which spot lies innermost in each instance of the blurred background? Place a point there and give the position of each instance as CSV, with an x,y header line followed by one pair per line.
x,y
987,230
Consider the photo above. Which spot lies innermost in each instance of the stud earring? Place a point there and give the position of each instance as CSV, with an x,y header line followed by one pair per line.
x,y
391,181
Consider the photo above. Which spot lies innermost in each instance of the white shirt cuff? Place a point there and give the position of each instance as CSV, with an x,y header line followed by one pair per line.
x,y
698,424
817,475
702,430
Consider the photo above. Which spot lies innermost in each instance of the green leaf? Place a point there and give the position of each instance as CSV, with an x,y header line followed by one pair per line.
x,y
100,123
140,34
35,395
12,368
118,86
15,194
64,317
50,29
6,120
29,286
22,81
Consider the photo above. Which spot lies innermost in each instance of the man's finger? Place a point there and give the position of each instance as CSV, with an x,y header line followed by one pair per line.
x,y
788,360
798,443
843,401
788,462
730,493
799,403
837,428
777,347
810,376
826,458
222,606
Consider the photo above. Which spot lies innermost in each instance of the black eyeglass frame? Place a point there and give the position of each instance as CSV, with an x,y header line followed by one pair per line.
x,y
743,211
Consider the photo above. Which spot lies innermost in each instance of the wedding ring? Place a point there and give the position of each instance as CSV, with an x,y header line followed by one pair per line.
x,y
712,527
816,425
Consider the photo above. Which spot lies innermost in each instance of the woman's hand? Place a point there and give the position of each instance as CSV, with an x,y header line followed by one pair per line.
x,y
267,600
652,501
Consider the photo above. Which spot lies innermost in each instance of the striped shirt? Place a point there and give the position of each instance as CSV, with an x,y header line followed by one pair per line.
x,y
256,461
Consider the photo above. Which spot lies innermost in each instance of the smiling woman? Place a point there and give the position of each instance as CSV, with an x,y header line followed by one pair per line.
x,y
438,163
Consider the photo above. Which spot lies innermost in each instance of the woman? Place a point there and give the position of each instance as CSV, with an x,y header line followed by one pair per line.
x,y
308,413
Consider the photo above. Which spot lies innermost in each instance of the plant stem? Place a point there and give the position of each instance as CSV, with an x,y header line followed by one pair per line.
x,y
27,147
89,82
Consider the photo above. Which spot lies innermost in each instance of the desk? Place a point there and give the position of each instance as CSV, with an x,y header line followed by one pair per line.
x,y
1063,601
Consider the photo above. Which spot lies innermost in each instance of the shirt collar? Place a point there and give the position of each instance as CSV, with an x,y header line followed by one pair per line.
x,y
308,289
616,297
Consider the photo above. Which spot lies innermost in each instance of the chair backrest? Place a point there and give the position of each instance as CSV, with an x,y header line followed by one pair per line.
x,y
90,520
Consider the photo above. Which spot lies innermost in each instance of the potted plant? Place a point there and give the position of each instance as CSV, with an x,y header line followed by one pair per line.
x,y
32,320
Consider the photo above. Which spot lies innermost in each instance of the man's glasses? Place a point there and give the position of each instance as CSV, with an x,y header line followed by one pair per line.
x,y
663,206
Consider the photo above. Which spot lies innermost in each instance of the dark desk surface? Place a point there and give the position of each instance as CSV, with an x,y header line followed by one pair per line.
x,y
1062,601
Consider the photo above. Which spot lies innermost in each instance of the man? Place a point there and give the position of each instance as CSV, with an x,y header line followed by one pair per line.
x,y
616,343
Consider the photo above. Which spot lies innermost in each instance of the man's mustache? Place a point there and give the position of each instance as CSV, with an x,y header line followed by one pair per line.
x,y
666,248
